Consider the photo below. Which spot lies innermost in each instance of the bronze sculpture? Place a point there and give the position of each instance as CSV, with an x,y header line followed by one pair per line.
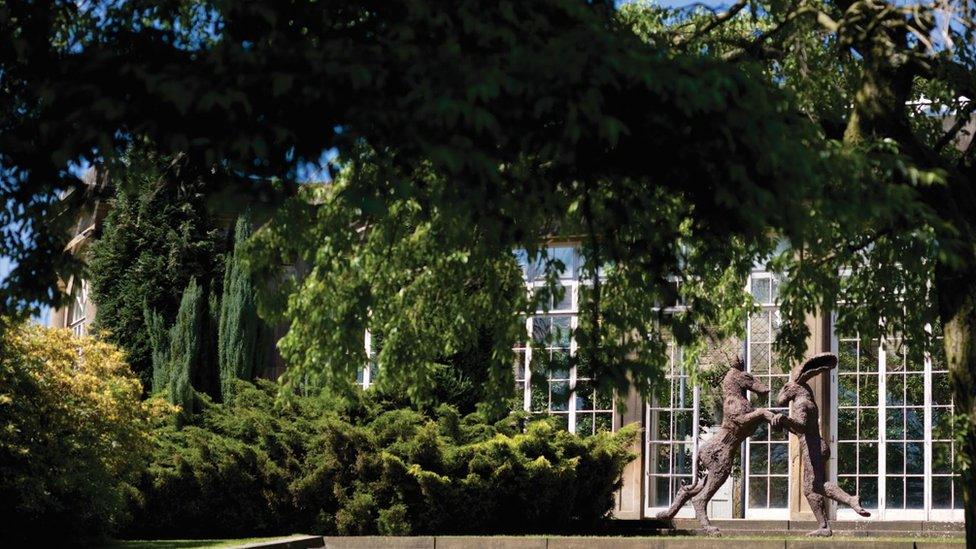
x,y
740,420
804,422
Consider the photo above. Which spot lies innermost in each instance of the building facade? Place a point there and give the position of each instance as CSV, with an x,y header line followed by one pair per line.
x,y
885,415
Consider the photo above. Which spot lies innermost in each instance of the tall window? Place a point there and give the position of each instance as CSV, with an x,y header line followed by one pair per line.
x,y
767,454
78,306
894,441
673,439
858,419
547,375
366,375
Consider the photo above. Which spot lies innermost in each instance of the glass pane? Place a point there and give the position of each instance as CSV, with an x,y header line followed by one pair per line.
x,y
941,458
867,457
868,392
941,423
847,484
942,492
868,424
584,424
759,358
846,424
561,331
661,458
559,392
779,491
584,396
761,290
564,256
868,492
895,458
758,458
539,398
846,464
957,502
762,432
662,489
682,425
565,300
894,492
540,329
914,488
779,458
847,355
604,399
682,459
847,390
757,492
895,424
662,429
915,390
895,390
868,361
603,422
914,423
941,389
914,458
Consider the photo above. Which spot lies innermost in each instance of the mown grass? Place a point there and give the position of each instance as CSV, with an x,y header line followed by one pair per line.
x,y
186,543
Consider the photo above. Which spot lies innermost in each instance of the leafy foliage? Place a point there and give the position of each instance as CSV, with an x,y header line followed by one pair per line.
x,y
75,435
251,466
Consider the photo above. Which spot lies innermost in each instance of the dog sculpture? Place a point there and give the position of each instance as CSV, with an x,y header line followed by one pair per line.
x,y
804,422
740,420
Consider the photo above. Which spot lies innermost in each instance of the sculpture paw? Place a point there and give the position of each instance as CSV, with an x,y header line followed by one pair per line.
x,y
712,530
856,506
821,532
778,421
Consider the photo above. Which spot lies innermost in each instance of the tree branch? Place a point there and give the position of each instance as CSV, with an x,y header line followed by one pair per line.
x,y
719,20
963,117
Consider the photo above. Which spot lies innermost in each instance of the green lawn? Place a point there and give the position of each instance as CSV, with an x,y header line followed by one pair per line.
x,y
185,543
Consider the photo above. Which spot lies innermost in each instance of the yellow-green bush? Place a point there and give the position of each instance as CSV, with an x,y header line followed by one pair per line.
x,y
74,434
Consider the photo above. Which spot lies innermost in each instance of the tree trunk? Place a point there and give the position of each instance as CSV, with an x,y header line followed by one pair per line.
x,y
957,307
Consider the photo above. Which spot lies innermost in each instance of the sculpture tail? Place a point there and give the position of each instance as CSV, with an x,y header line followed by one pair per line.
x,y
685,493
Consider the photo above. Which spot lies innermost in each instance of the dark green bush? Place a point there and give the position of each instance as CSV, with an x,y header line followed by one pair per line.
x,y
251,466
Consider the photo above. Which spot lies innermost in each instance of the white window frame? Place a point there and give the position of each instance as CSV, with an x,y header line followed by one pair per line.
x,y
686,511
762,513
78,292
572,285
926,513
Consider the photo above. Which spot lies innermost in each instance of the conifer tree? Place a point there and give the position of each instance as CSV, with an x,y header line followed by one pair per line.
x,y
239,330
185,338
160,348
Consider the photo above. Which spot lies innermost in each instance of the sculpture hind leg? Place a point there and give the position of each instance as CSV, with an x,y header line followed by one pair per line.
x,y
681,497
700,501
837,494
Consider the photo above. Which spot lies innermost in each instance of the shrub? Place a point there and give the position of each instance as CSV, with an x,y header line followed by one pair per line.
x,y
253,466
73,434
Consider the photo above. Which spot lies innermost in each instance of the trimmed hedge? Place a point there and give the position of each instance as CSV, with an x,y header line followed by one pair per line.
x,y
253,466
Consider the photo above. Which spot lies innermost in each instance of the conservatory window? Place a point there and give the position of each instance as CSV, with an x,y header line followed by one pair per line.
x,y
78,306
672,415
547,374
767,453
894,436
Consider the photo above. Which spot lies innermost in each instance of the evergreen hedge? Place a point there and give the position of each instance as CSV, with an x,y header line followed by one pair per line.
x,y
253,467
